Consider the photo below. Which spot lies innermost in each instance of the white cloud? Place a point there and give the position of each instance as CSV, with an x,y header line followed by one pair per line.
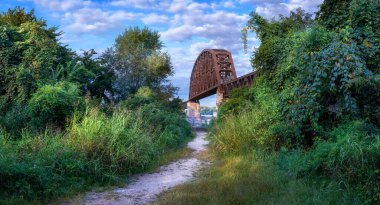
x,y
95,20
134,3
229,4
214,25
310,6
154,18
273,10
63,5
260,1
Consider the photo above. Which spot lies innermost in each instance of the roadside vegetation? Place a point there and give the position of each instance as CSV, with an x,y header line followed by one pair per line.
x,y
69,122
307,131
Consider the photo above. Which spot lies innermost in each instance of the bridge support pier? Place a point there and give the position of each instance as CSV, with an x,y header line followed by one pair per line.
x,y
219,96
193,109
193,113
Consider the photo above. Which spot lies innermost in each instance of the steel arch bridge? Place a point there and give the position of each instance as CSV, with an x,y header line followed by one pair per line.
x,y
214,73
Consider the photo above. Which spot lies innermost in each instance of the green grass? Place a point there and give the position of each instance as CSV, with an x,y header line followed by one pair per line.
x,y
248,168
95,151
254,178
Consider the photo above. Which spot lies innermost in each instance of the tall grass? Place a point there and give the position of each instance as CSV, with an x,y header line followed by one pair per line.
x,y
250,127
254,178
119,142
96,149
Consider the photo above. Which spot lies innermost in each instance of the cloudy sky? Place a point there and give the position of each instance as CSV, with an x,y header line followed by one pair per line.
x,y
186,26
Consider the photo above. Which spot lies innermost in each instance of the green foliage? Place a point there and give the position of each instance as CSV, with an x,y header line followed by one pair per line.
x,y
207,110
93,76
254,178
168,124
41,167
240,98
325,82
133,39
351,156
143,96
95,149
54,103
28,52
251,126
266,58
14,118
119,142
18,16
50,147
140,62
333,14
364,18
367,94
100,77
322,85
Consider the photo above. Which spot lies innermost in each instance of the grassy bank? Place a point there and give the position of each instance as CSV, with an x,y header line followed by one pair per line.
x,y
344,172
255,178
96,150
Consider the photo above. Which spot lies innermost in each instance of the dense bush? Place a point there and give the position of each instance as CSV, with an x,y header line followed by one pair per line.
x,y
166,122
239,99
351,156
14,119
54,104
250,127
41,167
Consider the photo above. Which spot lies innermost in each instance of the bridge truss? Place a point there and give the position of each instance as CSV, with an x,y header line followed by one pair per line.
x,y
214,72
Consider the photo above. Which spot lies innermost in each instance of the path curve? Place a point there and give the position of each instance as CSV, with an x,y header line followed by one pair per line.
x,y
144,188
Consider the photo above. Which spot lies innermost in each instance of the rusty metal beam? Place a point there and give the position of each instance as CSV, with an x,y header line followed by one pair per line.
x,y
214,71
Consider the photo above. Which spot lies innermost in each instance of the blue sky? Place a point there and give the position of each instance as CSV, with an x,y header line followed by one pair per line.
x,y
186,26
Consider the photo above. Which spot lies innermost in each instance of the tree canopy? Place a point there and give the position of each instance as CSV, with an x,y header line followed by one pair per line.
x,y
140,62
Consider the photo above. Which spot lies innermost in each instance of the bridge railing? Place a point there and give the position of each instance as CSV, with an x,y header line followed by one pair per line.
x,y
242,81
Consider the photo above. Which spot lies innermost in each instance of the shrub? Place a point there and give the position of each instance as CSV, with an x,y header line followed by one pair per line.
x,y
41,167
15,119
54,103
249,128
239,99
171,127
165,123
351,156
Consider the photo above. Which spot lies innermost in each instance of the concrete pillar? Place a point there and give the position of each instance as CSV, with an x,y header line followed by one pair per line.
x,y
193,110
219,96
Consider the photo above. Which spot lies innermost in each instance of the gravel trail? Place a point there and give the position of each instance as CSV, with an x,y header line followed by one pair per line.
x,y
144,188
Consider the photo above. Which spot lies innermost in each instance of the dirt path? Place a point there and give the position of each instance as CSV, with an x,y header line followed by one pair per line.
x,y
145,188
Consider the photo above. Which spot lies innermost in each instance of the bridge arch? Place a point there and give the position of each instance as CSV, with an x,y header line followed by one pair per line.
x,y
213,73
213,68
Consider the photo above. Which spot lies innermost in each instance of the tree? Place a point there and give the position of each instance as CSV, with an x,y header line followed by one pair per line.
x,y
29,50
334,13
266,58
18,16
99,78
140,62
